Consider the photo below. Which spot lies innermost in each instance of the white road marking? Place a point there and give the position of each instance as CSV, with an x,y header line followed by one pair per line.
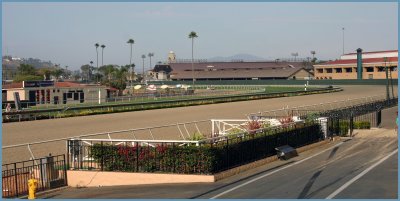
x,y
347,184
275,171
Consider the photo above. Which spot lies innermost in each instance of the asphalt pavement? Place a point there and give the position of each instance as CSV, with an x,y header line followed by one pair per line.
x,y
315,174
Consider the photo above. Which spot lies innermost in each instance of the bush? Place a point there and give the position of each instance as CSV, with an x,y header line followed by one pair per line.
x,y
205,159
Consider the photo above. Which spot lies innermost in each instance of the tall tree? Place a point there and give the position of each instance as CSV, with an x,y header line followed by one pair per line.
x,y
45,72
193,35
102,53
26,69
97,53
57,73
131,42
107,71
85,69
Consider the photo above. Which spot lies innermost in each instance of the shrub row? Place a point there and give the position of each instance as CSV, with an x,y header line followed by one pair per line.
x,y
208,158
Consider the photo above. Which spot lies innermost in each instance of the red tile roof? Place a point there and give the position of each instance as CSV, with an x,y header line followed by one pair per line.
x,y
364,61
387,51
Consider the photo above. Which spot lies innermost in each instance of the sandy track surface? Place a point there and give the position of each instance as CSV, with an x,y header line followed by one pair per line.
x,y
32,131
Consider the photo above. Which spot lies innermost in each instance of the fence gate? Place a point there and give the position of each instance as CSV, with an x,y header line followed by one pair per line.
x,y
50,172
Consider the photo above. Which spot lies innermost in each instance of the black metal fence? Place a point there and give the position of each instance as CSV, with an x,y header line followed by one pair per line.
x,y
50,172
343,121
211,156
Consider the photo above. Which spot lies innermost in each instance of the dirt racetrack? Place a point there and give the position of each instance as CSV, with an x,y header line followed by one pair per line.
x,y
32,131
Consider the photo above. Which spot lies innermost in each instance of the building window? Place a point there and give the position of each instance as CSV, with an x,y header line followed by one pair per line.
x,y
338,70
381,69
329,70
348,70
369,69
393,68
320,70
76,96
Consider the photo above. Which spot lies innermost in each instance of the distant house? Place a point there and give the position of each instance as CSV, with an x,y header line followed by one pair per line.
x,y
50,92
240,71
160,72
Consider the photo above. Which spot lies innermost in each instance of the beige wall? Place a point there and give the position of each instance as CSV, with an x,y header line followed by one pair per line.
x,y
302,75
353,74
22,94
96,178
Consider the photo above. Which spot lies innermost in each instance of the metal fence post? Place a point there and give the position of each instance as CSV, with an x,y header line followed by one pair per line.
x,y
65,171
41,173
351,124
102,157
16,179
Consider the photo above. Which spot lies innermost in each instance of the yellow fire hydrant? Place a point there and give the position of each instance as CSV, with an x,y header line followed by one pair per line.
x,y
32,185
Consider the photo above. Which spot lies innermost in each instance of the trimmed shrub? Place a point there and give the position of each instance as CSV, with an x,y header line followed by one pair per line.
x,y
205,159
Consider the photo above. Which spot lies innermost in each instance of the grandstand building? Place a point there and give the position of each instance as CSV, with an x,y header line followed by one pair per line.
x,y
372,65
240,70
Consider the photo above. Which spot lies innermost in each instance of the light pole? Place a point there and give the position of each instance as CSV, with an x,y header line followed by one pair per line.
x,y
295,55
387,80
143,79
391,79
343,41
313,55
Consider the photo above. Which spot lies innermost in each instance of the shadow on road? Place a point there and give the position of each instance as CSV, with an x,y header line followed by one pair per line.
x,y
240,180
310,182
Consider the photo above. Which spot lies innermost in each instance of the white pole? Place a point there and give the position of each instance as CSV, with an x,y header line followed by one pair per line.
x,y
99,96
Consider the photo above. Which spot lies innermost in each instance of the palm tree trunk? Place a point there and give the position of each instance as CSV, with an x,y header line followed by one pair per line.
x,y
97,57
102,56
192,64
130,66
150,62
143,79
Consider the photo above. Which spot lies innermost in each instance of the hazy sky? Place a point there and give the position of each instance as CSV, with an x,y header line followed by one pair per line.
x,y
65,33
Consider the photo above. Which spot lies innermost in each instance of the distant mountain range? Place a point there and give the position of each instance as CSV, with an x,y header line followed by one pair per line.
x,y
237,57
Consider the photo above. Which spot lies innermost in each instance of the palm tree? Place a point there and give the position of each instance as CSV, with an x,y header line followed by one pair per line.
x,y
193,35
97,52
131,42
143,79
150,55
102,55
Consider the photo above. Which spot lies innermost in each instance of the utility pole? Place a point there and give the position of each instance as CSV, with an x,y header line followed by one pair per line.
x,y
343,41
387,80
391,79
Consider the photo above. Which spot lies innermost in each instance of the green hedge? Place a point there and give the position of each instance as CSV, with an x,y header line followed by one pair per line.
x,y
344,126
205,159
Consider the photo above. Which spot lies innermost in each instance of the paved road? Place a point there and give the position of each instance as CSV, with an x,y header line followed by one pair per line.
x,y
25,132
330,167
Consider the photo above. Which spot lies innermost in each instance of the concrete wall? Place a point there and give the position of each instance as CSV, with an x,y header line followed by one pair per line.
x,y
97,178
22,95
371,55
